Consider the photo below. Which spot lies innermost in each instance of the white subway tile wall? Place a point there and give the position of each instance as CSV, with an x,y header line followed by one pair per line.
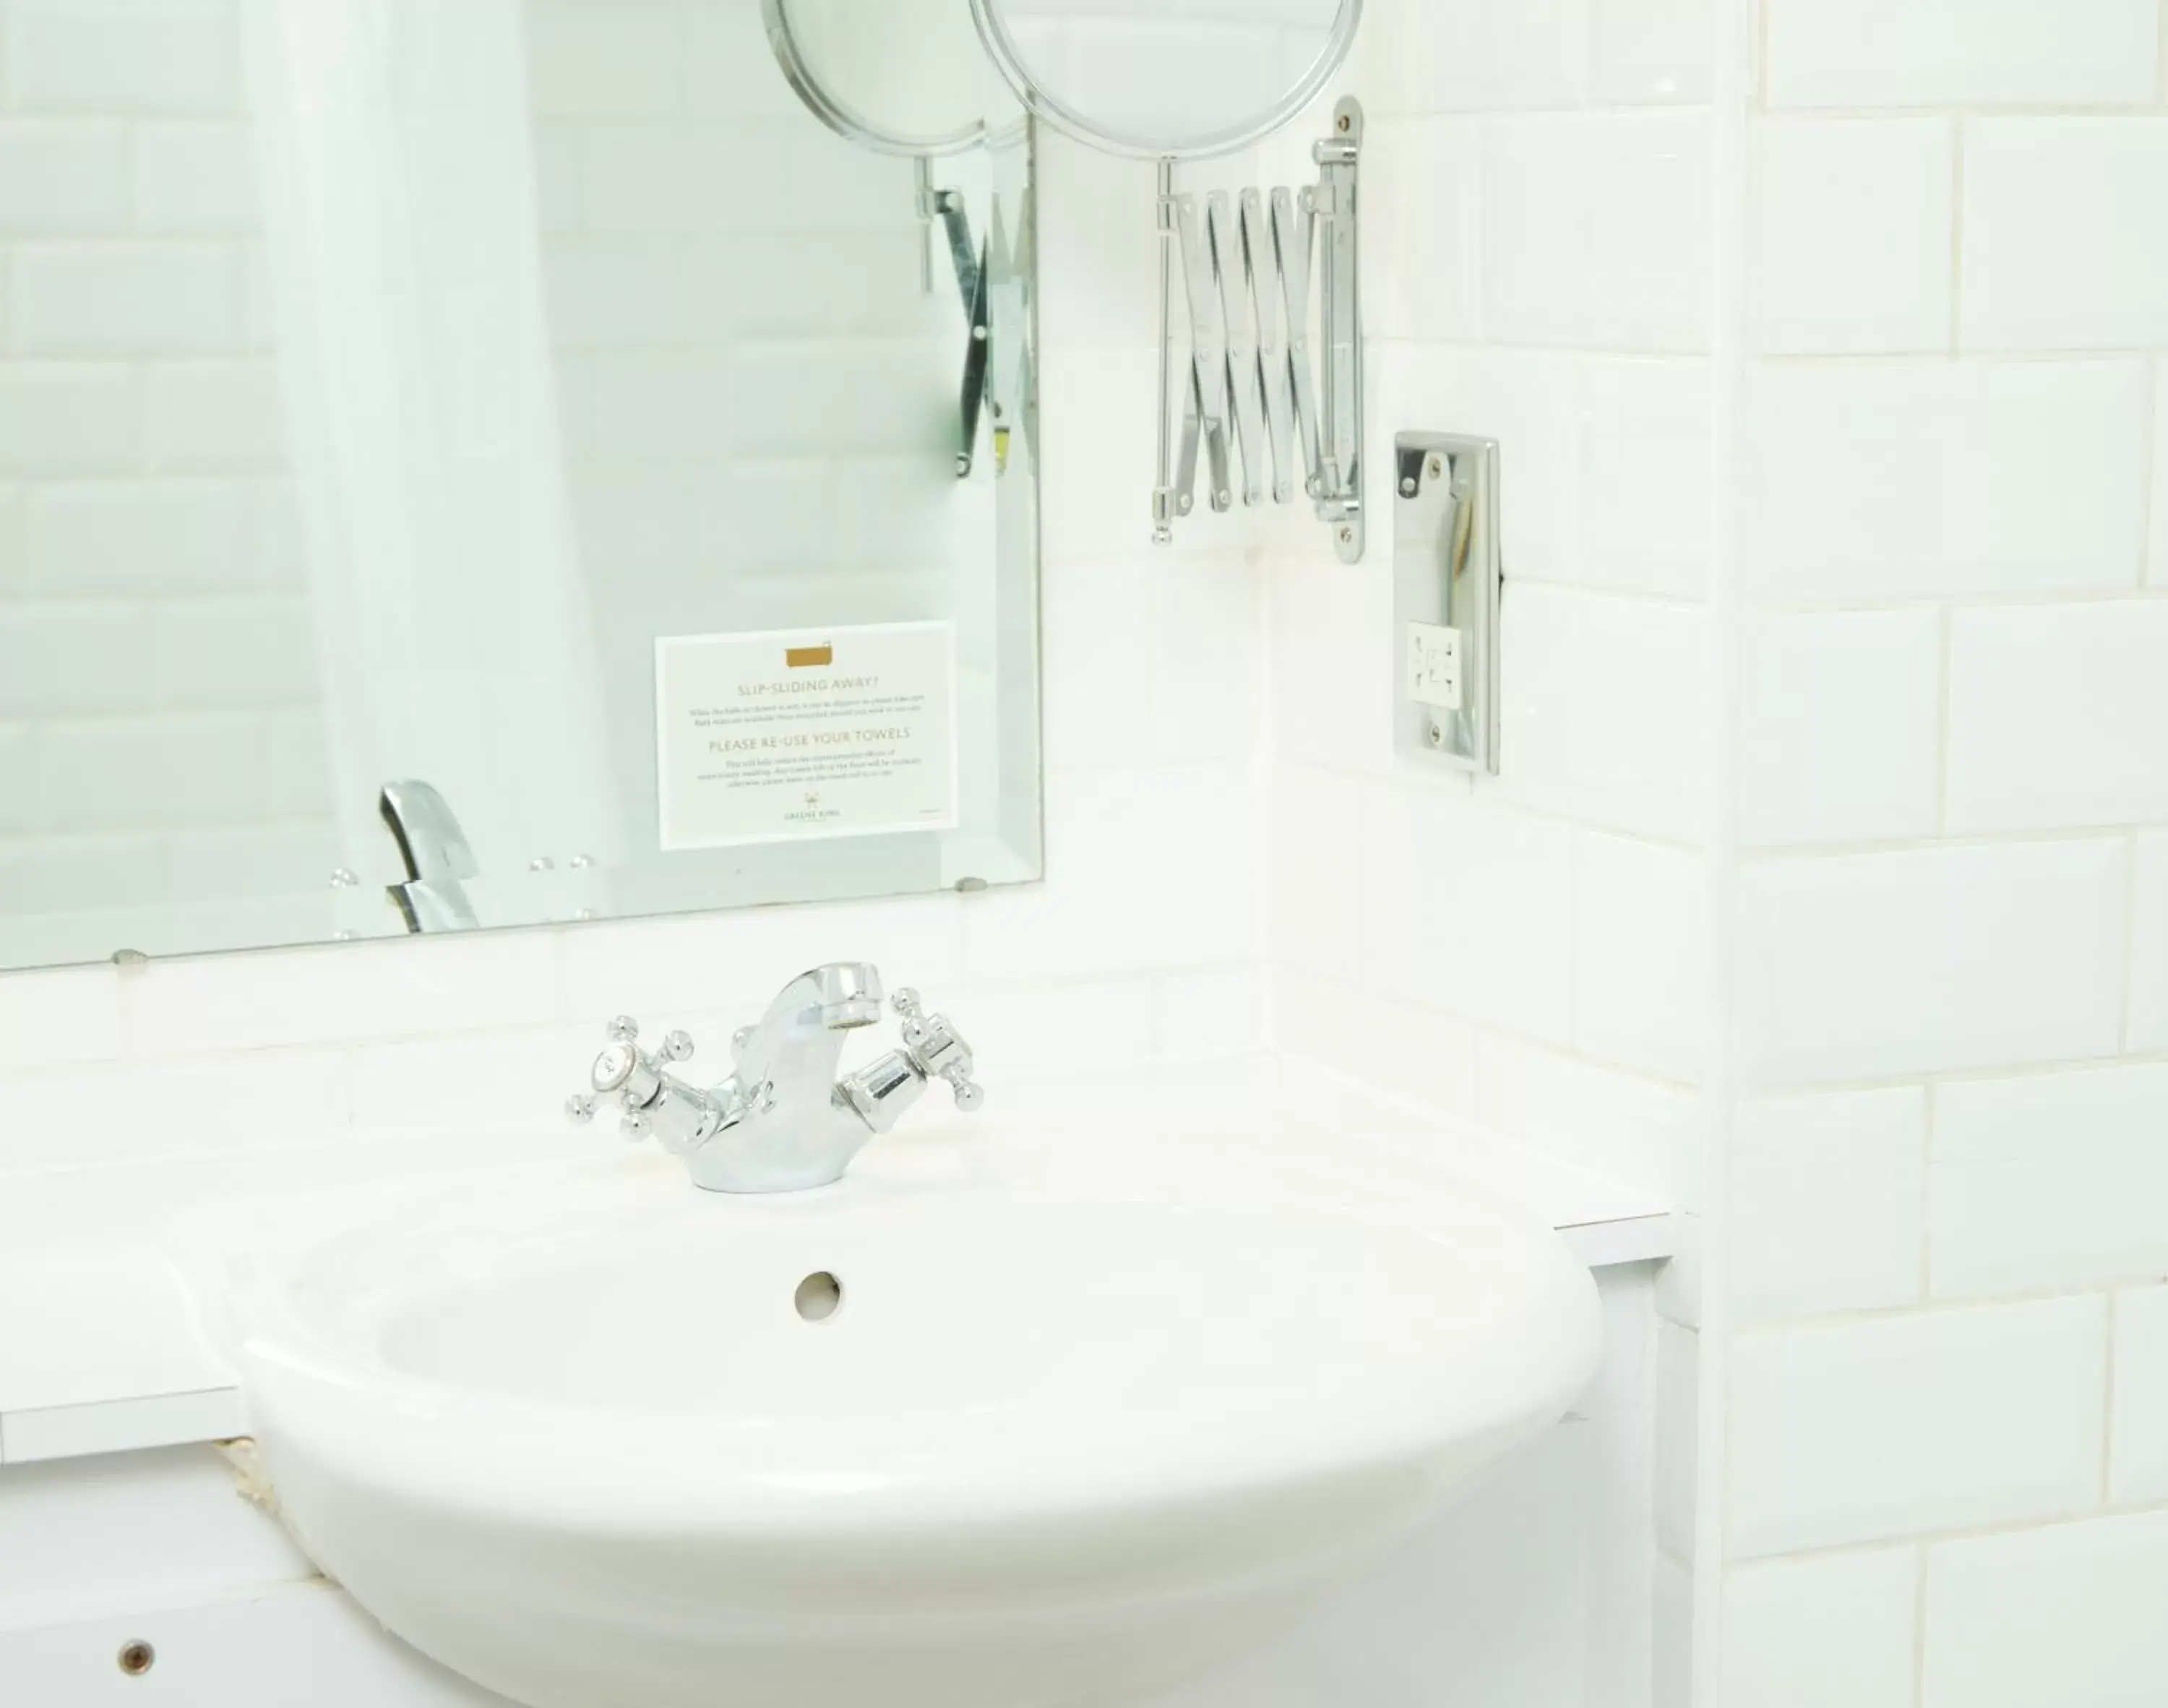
x,y
1811,1633
1852,251
1944,1352
1947,1185
1828,1193
1862,1431
1530,950
2064,1616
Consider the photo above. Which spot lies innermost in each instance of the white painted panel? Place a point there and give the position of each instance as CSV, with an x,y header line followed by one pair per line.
x,y
130,1530
272,1648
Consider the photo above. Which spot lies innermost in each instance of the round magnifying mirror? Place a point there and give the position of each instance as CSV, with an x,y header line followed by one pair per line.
x,y
1148,77
901,76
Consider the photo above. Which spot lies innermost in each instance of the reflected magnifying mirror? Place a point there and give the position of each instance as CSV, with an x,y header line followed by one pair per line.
x,y
1186,82
908,78
899,76
1167,82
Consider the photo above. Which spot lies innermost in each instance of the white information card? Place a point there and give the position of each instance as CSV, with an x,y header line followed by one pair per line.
x,y
798,734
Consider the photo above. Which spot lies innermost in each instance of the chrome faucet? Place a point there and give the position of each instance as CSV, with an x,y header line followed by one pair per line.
x,y
435,848
783,1121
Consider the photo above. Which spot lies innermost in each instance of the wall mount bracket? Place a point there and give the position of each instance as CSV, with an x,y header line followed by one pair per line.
x,y
1247,396
1448,586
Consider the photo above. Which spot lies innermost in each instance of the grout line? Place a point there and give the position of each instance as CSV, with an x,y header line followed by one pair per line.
x,y
1869,1316
1945,629
2107,1409
1801,853
1965,109
2061,1066
1927,1540
1919,1624
2061,598
2148,568
1927,1193
1758,85
1957,232
2128,994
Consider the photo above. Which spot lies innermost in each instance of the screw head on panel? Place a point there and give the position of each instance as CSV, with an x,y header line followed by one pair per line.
x,y
1436,468
1408,487
136,1658
1437,735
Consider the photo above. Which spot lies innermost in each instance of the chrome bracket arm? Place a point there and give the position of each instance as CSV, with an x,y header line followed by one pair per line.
x,y
1247,266
1340,314
1238,304
973,396
1207,360
1259,266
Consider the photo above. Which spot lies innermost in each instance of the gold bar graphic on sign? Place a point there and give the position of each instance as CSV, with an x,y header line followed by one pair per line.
x,y
804,657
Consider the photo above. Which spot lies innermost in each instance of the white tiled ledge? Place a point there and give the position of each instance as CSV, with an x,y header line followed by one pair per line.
x,y
100,1351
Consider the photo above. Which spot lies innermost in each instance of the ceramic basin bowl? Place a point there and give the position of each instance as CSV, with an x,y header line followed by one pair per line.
x,y
985,1444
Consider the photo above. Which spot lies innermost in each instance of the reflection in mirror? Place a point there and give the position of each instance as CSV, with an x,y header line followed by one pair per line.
x,y
500,461
906,76
1169,80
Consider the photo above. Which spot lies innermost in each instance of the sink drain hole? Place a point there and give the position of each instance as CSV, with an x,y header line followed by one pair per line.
x,y
819,1296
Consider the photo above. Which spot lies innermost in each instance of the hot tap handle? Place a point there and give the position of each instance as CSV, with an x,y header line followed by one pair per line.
x,y
636,1077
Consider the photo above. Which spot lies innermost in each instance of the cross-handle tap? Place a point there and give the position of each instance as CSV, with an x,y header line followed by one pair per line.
x,y
785,1119
655,1102
939,1051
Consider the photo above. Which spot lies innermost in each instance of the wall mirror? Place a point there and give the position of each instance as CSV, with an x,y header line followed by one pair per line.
x,y
515,461
1260,397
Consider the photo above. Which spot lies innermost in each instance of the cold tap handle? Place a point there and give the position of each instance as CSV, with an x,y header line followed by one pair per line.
x,y
937,1049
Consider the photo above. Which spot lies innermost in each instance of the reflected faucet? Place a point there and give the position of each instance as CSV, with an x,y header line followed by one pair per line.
x,y
782,1121
437,856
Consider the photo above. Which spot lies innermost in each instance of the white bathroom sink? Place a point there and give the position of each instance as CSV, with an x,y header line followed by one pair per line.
x,y
1063,1438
